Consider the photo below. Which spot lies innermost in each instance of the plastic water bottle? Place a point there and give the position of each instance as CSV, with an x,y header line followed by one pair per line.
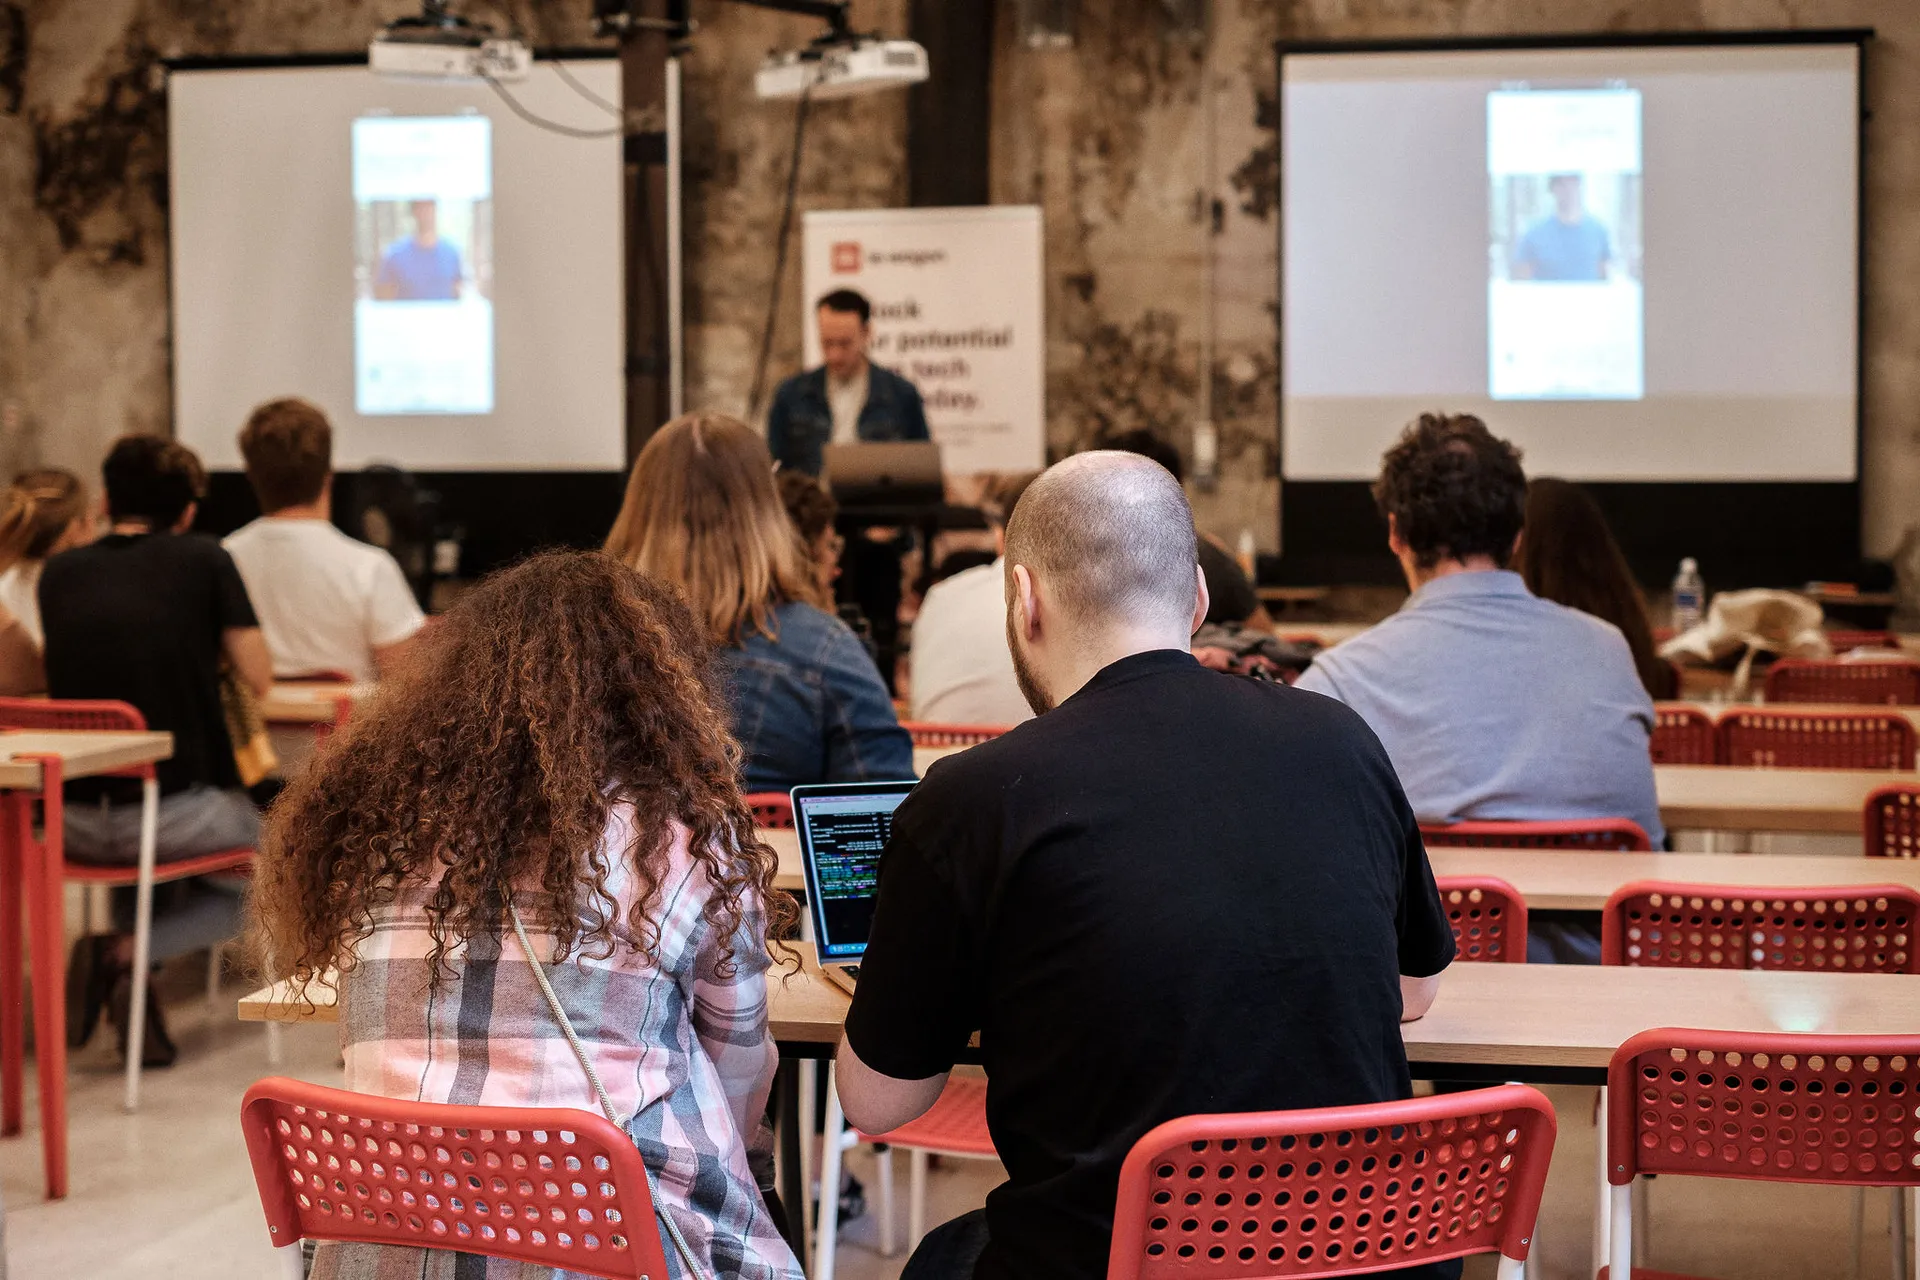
x,y
1689,596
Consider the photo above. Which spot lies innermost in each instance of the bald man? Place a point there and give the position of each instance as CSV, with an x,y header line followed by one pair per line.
x,y
1172,892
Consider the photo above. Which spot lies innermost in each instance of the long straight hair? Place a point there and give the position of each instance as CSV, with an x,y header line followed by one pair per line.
x,y
702,513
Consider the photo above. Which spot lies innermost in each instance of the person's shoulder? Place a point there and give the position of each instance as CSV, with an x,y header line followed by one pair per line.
x,y
981,579
799,384
246,535
896,383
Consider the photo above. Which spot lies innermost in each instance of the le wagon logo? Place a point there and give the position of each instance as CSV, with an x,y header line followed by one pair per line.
x,y
846,257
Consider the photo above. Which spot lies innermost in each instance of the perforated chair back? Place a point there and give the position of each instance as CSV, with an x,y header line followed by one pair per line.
x,y
1892,822
1776,738
1884,684
928,734
1845,641
550,1186
1684,735
771,809
1840,929
1767,1107
1615,834
1489,918
1335,1191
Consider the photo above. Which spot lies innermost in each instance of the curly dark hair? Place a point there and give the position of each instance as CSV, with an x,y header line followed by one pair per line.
x,y
552,692
1453,490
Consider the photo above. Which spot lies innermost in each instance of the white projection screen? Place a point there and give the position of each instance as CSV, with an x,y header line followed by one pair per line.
x,y
1640,263
440,275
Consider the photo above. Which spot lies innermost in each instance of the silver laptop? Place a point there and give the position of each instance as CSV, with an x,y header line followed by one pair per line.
x,y
843,827
883,473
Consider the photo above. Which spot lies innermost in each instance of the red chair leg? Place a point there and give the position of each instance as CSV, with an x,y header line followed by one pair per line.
x,y
13,1023
46,931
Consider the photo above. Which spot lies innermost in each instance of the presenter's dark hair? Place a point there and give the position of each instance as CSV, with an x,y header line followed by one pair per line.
x,y
1453,490
151,478
846,300
288,447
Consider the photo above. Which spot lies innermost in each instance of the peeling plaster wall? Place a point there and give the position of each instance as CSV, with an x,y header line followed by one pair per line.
x,y
1128,136
83,190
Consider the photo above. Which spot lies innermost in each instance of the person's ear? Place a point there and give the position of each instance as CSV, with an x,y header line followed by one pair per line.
x,y
1201,601
185,522
1026,602
1394,542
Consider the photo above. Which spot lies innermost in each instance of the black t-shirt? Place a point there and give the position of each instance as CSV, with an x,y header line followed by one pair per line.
x,y
139,618
1231,598
1179,892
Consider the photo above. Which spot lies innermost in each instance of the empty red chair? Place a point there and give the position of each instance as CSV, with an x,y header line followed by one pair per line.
x,y
1776,738
1895,683
927,734
1335,1191
771,809
1683,735
1892,822
1488,915
1757,1107
1844,929
547,1185
1617,834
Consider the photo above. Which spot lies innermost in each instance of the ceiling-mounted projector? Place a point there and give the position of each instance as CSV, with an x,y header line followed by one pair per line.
x,y
842,69
439,45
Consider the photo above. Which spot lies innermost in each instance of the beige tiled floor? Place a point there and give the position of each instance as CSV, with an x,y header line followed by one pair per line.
x,y
168,1193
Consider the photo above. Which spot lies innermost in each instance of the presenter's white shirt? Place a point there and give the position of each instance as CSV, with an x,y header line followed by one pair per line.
x,y
20,596
847,400
324,600
962,671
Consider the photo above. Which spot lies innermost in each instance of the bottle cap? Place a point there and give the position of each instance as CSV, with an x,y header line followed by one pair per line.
x,y
1689,565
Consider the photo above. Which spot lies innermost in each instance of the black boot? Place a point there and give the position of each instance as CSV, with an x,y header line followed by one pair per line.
x,y
158,1049
91,971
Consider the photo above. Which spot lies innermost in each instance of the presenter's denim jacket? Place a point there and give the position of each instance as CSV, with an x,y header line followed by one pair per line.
x,y
800,421
810,707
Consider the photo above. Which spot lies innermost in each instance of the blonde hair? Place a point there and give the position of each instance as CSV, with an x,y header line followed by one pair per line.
x,y
37,509
703,514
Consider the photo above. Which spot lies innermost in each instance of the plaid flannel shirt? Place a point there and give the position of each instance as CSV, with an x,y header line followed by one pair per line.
x,y
681,1048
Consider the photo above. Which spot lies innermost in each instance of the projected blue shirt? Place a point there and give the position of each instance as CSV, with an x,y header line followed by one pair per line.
x,y
1556,250
421,273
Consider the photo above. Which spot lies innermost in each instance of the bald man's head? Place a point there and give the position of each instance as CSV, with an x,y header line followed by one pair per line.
x,y
1111,537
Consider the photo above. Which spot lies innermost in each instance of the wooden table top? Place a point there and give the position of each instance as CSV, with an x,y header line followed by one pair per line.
x,y
84,753
308,701
1724,798
1576,880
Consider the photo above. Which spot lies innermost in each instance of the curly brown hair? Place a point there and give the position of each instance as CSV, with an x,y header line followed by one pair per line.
x,y
552,692
1453,489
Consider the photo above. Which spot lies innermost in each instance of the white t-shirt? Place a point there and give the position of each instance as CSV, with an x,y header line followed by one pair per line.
x,y
20,596
324,600
848,400
962,672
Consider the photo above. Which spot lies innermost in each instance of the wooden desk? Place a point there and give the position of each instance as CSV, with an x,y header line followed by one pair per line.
x,y
1723,798
309,702
1573,880
923,757
84,753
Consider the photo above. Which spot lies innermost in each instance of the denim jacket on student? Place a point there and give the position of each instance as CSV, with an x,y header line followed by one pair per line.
x,y
810,707
800,421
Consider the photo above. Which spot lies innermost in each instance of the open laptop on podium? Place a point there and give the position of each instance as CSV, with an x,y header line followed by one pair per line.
x,y
843,828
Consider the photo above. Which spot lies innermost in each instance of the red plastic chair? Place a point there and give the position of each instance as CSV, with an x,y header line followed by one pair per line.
x,y
1894,683
1892,822
1614,834
550,1186
771,809
927,734
1760,1108
1845,641
1489,918
956,1125
1848,928
34,869
1336,1191
1683,735
1767,738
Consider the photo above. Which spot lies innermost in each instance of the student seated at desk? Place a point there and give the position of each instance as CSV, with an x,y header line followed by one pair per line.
x,y
555,758
962,670
703,515
147,615
1172,892
1494,704
326,601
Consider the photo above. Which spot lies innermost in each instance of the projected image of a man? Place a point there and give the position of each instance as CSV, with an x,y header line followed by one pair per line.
x,y
422,267
1570,244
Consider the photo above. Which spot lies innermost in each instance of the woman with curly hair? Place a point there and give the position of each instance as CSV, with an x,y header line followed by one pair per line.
x,y
702,513
555,759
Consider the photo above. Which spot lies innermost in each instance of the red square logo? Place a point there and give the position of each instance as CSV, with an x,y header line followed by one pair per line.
x,y
846,258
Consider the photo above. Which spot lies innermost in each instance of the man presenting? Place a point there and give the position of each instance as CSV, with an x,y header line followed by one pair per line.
x,y
1173,892
423,267
848,399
